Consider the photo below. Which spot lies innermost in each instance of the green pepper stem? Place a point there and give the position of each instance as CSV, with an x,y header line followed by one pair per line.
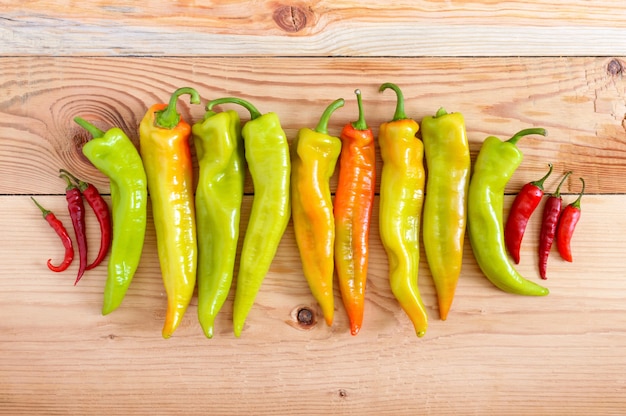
x,y
399,114
322,126
441,112
44,211
70,184
169,117
82,185
93,130
254,113
557,193
539,183
526,132
576,204
360,124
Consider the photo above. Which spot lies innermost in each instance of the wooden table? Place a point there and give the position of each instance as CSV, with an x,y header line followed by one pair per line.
x,y
504,65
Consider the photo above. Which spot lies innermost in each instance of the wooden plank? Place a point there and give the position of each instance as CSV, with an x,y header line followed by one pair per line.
x,y
323,28
581,101
497,353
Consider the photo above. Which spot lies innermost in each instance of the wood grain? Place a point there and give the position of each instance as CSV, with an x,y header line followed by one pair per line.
x,y
581,101
496,353
506,65
315,28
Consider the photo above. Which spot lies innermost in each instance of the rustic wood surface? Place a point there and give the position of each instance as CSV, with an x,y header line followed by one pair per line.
x,y
496,354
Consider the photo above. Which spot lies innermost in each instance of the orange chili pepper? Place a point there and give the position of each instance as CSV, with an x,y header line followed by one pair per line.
x,y
354,201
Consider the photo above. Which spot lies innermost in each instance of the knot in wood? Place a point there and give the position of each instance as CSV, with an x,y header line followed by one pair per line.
x,y
305,316
290,19
615,67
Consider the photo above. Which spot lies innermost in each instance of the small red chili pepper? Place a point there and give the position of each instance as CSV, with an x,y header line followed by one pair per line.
x,y
103,215
58,227
551,213
567,224
522,208
76,208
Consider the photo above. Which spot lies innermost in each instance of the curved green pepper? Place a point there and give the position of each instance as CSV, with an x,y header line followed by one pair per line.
x,y
219,147
495,164
267,154
117,157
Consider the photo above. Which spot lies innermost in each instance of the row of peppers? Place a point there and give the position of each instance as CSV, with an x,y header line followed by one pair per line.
x,y
198,232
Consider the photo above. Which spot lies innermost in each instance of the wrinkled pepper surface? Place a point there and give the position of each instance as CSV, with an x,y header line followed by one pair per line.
x,y
496,162
401,200
313,161
115,155
353,205
164,147
267,156
445,210
219,193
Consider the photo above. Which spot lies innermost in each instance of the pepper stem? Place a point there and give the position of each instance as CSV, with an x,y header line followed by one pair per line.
x,y
399,114
70,184
526,132
169,118
254,113
82,185
539,183
44,211
322,126
360,124
93,130
557,193
441,112
576,204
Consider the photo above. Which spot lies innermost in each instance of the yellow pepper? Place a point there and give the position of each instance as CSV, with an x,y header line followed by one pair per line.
x,y
313,160
164,148
401,200
445,208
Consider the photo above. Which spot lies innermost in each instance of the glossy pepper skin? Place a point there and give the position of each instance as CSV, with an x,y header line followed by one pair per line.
x,y
353,205
164,147
313,160
495,164
267,156
115,155
524,204
566,226
219,193
59,228
549,221
103,215
76,209
445,209
400,210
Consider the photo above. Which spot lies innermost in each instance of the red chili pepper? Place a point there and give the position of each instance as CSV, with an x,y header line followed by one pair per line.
x,y
551,213
522,208
76,209
58,227
567,224
103,215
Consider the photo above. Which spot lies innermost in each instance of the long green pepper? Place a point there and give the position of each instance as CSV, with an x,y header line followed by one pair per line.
x,y
219,193
267,155
117,157
495,164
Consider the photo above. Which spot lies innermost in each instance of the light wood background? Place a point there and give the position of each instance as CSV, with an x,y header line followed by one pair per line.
x,y
504,65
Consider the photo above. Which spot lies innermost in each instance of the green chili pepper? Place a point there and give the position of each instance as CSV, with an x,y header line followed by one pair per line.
x,y
267,155
219,193
117,157
495,164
